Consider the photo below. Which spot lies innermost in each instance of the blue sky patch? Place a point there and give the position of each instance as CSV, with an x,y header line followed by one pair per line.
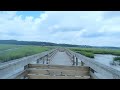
x,y
34,14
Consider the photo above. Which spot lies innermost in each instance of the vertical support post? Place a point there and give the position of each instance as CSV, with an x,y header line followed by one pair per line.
x,y
76,61
73,60
47,59
25,67
37,60
43,60
82,64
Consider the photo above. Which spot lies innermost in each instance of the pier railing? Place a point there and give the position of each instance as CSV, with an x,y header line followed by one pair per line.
x,y
96,68
13,68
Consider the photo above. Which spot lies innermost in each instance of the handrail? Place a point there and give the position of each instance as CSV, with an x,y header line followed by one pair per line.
x,y
105,70
10,68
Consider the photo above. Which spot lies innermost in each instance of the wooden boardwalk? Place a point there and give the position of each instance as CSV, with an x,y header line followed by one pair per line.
x,y
57,63
61,58
40,71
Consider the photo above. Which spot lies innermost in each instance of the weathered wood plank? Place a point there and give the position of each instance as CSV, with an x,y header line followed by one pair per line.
x,y
59,72
40,66
22,75
33,76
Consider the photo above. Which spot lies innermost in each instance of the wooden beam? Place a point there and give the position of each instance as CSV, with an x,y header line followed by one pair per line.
x,y
22,75
33,76
41,66
60,67
59,72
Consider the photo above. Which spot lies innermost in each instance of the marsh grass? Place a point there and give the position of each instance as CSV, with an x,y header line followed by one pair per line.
x,y
116,58
87,54
5,46
21,52
93,51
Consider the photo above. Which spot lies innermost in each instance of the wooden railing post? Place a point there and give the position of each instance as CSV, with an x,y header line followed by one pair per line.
x,y
38,61
25,67
76,61
47,59
82,64
73,60
43,60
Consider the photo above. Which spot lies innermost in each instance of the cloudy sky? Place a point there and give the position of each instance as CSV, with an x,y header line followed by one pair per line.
x,y
98,28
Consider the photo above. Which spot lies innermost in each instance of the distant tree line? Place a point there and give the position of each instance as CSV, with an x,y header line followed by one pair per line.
x,y
49,44
38,43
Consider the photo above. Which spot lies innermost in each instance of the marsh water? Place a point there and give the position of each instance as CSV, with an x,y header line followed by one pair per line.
x,y
106,59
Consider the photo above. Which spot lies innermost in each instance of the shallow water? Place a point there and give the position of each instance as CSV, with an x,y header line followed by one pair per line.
x,y
105,59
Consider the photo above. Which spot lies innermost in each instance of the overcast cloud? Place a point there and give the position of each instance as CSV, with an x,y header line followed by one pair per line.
x,y
98,28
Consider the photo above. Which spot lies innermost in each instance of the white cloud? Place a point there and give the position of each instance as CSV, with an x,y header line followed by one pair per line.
x,y
74,27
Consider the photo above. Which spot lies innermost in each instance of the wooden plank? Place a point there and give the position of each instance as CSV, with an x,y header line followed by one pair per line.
x,y
32,76
41,66
59,72
21,75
